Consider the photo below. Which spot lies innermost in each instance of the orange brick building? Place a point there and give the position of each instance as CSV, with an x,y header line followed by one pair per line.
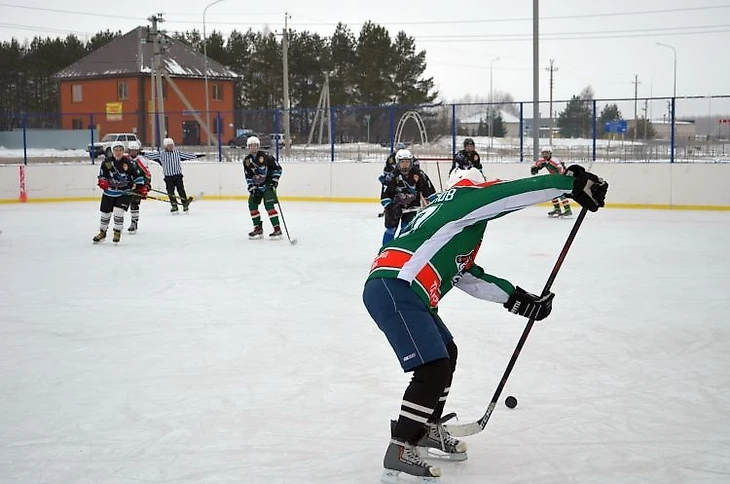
x,y
111,87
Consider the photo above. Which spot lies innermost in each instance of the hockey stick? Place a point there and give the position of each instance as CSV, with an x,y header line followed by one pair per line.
x,y
283,222
179,200
462,430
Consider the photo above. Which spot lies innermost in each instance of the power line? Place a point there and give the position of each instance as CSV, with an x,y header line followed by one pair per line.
x,y
73,12
34,28
498,20
588,37
411,22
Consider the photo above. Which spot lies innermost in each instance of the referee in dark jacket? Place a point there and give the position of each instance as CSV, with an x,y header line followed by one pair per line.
x,y
170,160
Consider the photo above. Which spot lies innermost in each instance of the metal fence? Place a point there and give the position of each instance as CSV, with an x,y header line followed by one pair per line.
x,y
659,129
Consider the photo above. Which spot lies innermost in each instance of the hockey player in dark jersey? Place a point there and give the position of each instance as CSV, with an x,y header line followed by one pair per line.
x,y
389,171
262,173
413,272
467,158
118,176
404,193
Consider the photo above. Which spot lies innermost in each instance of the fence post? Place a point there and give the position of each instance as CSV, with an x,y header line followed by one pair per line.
x,y
220,128
453,129
671,133
522,131
276,130
332,134
25,138
92,129
595,131
391,134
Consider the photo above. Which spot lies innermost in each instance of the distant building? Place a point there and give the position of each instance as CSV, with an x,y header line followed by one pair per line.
x,y
511,123
114,83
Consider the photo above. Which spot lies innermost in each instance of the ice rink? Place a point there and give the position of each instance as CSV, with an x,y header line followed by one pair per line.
x,y
188,354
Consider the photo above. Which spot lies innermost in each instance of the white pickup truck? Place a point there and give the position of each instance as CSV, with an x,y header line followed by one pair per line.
x,y
104,146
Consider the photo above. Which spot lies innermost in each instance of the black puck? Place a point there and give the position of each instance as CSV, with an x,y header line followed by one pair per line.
x,y
510,401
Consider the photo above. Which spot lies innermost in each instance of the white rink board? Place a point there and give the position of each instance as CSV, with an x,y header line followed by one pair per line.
x,y
632,184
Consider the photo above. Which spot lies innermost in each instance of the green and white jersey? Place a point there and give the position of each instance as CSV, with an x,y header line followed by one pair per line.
x,y
437,250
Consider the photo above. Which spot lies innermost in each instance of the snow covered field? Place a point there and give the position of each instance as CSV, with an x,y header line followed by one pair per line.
x,y
188,354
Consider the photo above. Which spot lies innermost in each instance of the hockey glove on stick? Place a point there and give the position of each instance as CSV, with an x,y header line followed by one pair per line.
x,y
529,305
588,189
103,183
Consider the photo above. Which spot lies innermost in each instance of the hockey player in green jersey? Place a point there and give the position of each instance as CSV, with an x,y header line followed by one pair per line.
x,y
415,270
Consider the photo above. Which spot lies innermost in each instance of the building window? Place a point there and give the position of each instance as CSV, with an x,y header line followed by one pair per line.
x,y
122,92
76,93
217,92
77,123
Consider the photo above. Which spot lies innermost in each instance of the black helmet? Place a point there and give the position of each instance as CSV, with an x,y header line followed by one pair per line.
x,y
468,141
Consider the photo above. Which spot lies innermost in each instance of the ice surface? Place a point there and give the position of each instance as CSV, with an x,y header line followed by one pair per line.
x,y
188,354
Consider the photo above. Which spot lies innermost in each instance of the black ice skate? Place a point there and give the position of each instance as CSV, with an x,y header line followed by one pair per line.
x,y
132,227
440,444
99,237
403,457
117,236
174,209
186,205
276,234
568,213
256,233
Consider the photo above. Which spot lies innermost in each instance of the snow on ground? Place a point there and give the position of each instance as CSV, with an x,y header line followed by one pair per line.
x,y
188,354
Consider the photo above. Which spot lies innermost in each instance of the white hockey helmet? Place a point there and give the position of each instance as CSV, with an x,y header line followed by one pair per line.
x,y
117,144
547,151
168,142
466,178
133,146
402,156
252,140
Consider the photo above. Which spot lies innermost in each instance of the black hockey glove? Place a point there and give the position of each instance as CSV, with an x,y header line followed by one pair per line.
x,y
534,170
530,305
588,189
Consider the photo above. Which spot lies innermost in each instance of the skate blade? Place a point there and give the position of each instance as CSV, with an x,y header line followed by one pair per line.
x,y
390,476
276,237
431,453
255,237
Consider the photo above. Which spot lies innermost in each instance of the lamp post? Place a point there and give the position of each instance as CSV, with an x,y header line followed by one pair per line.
x,y
205,69
491,101
674,90
672,105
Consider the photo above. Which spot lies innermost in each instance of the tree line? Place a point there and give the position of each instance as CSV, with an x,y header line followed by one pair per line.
x,y
370,68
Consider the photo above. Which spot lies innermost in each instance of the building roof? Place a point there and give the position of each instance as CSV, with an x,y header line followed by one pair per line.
x,y
484,116
131,55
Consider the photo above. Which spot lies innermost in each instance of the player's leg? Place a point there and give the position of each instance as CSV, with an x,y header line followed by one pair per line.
x,y
134,212
270,206
105,207
566,206
121,205
555,212
180,186
392,219
254,200
416,341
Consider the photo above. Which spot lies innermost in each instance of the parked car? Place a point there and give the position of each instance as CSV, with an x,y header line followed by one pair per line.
x,y
104,146
240,141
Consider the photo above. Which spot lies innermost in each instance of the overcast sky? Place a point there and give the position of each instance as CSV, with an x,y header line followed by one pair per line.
x,y
601,43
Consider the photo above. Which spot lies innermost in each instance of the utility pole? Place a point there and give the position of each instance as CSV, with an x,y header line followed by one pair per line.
x,y
551,70
285,48
156,74
636,104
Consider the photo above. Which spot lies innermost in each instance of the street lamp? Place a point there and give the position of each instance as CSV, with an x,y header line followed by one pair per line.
x,y
205,70
491,100
674,95
674,100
